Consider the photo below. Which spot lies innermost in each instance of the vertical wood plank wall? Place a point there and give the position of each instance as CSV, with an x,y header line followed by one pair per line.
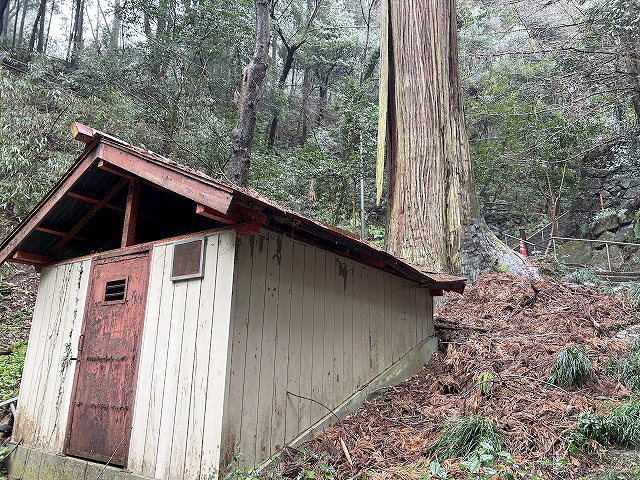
x,y
47,379
177,419
312,323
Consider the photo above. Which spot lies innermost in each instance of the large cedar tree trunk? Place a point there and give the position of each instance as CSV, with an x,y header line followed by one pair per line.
x,y
433,217
253,77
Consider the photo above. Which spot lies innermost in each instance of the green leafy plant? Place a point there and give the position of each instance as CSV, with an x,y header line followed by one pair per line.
x,y
487,384
435,471
462,436
571,366
621,426
11,370
627,369
487,463
582,276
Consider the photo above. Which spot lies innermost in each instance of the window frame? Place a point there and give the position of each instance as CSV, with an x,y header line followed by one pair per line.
x,y
200,272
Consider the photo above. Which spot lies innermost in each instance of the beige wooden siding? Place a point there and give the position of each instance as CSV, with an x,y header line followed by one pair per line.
x,y
183,361
311,323
47,379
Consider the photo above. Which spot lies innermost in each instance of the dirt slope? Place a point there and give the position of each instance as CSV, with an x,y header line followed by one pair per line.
x,y
511,327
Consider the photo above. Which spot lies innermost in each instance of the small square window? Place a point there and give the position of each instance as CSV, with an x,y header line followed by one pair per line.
x,y
115,290
188,259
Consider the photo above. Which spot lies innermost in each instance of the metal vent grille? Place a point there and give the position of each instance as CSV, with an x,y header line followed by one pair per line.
x,y
115,290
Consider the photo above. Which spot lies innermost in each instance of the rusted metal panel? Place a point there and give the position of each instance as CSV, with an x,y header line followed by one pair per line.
x,y
101,410
187,259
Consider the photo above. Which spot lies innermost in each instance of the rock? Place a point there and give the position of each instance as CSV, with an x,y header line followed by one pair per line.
x,y
604,223
631,193
629,335
600,260
634,261
574,252
607,236
622,235
625,182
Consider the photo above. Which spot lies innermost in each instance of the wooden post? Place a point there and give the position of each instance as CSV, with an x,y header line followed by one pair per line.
x,y
131,214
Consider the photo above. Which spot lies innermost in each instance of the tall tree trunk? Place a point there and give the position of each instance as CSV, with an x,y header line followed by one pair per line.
x,y
286,68
252,79
15,25
25,9
36,24
304,110
3,8
116,25
433,217
46,40
76,32
40,48
313,7
3,19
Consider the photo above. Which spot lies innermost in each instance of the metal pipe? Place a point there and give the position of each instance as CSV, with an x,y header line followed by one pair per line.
x,y
518,238
597,241
362,235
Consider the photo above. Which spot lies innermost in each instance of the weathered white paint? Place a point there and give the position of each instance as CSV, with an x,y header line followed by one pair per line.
x,y
223,357
177,419
314,324
47,379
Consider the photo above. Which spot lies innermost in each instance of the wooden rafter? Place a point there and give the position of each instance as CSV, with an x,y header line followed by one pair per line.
x,y
30,258
32,220
81,132
94,201
49,231
87,216
229,218
131,213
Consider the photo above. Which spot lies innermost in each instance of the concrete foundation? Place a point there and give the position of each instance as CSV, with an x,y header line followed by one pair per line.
x,y
29,464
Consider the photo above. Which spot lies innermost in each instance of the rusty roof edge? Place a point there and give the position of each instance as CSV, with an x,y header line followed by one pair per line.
x,y
417,273
158,159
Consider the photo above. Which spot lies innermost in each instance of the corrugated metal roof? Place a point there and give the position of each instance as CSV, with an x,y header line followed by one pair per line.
x,y
96,182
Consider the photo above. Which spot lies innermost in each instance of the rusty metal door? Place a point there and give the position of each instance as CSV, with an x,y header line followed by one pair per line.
x,y
105,382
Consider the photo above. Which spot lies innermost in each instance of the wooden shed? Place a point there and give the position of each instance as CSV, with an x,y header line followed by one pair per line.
x,y
179,319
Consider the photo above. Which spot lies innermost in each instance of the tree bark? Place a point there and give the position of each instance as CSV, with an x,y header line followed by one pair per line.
x,y
433,216
36,25
25,8
116,25
252,79
286,68
3,7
